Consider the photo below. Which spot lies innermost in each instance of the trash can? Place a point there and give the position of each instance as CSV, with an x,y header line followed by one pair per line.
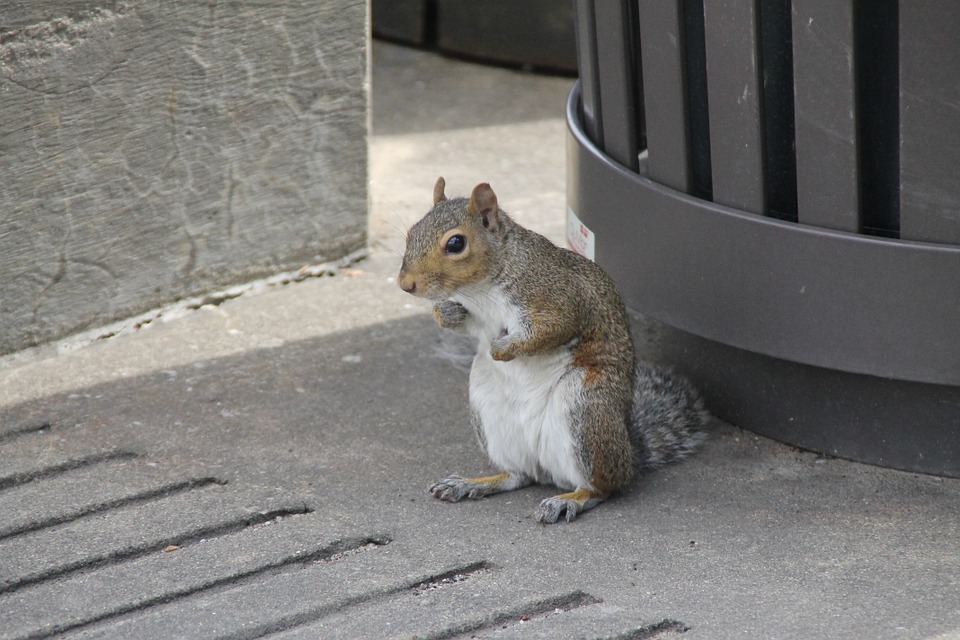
x,y
776,186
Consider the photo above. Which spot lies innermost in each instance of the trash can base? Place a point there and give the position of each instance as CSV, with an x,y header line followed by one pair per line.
x,y
891,423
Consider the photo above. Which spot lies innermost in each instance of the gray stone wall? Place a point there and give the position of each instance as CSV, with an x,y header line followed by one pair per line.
x,y
152,150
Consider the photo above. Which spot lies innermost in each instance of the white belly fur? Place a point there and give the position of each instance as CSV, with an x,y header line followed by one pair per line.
x,y
525,408
524,405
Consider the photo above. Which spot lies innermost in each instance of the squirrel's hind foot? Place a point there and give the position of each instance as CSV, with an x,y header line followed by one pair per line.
x,y
572,504
456,488
452,489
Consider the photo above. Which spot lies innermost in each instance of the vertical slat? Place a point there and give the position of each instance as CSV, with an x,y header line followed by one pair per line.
x,y
664,93
586,31
930,121
733,86
780,159
640,111
825,104
698,112
876,67
617,75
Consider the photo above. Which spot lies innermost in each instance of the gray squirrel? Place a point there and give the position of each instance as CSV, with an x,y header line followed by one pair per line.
x,y
556,393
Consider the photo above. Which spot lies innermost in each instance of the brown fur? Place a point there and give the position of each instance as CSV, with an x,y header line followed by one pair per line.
x,y
496,479
580,496
586,356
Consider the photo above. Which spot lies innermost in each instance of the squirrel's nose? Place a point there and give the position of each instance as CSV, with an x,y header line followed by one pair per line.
x,y
407,283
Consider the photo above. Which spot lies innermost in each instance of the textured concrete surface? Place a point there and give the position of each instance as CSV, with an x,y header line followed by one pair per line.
x,y
277,448
154,150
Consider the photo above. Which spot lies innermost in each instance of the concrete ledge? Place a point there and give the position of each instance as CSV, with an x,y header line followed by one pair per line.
x,y
152,151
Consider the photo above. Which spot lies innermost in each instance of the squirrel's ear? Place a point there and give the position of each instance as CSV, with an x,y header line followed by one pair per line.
x,y
483,203
438,195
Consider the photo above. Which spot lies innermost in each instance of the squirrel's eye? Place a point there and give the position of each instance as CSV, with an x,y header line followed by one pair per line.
x,y
456,244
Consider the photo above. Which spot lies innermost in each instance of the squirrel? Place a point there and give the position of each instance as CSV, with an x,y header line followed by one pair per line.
x,y
557,395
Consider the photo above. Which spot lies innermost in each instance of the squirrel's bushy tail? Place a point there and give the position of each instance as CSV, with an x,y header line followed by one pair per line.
x,y
667,421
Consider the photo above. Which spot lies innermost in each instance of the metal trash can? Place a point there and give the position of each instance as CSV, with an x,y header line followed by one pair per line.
x,y
776,185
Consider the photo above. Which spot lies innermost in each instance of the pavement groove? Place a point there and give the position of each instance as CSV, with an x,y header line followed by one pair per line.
x,y
136,530
22,477
92,597
248,611
464,608
72,499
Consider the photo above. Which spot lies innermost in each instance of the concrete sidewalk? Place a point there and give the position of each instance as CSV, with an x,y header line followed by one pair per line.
x,y
257,466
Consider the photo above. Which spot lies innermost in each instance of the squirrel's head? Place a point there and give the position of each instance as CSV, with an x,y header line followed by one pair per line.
x,y
453,245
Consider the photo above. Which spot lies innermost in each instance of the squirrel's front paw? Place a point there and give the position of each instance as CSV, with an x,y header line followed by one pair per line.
x,y
503,349
452,489
449,314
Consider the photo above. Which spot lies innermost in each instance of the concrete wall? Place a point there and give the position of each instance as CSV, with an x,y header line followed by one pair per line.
x,y
156,149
